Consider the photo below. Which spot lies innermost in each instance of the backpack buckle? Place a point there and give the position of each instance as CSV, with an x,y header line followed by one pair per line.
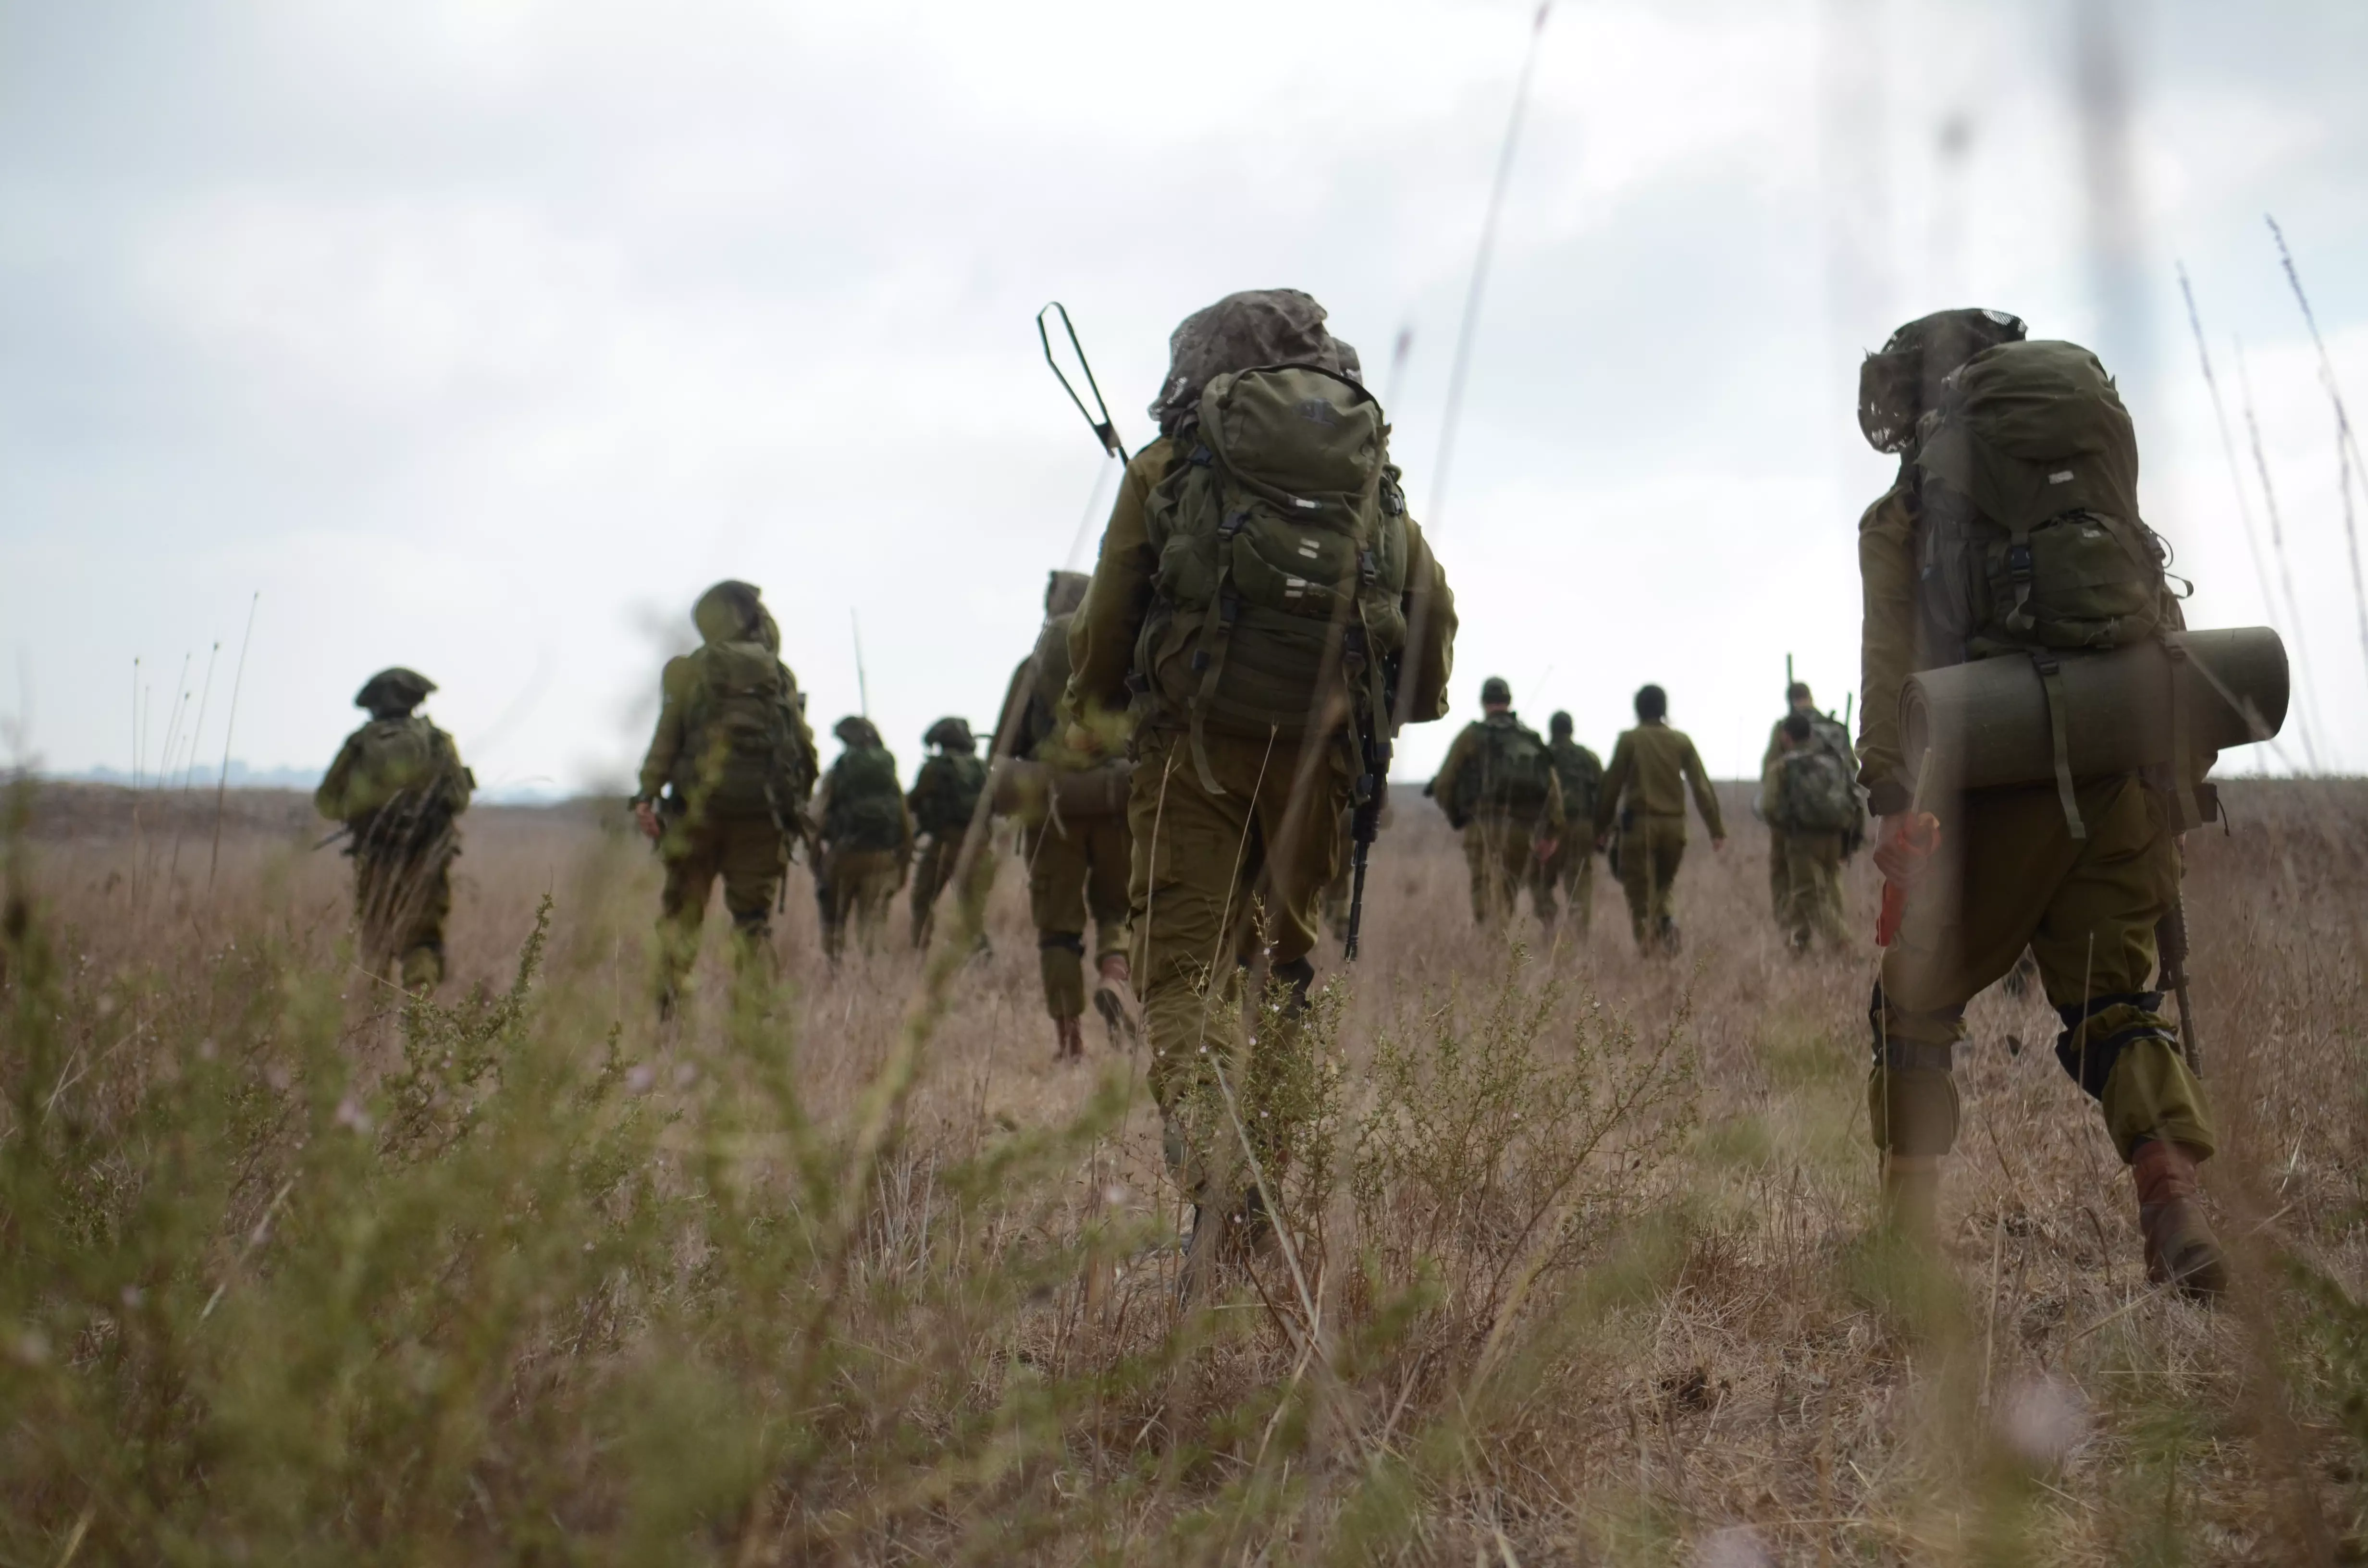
x,y
1201,456
1229,606
2017,563
1369,570
1234,523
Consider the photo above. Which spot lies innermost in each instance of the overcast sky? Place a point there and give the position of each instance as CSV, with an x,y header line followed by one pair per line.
x,y
480,336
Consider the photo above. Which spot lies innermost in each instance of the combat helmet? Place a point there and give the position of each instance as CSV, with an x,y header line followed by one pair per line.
x,y
1559,726
950,734
1899,382
855,731
732,612
393,692
1494,690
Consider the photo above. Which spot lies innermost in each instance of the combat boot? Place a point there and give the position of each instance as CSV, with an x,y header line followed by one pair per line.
x,y
1068,1039
2180,1249
1114,1000
1911,1197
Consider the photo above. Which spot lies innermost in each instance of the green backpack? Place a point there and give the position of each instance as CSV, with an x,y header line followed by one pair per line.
x,y
866,810
947,793
2026,482
405,784
1512,775
1581,772
744,753
1282,545
1818,796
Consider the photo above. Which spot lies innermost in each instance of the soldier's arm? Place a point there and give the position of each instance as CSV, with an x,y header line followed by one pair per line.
x,y
1443,786
1102,633
1775,746
1429,607
1705,798
796,702
464,783
1886,569
665,744
1557,817
329,799
1615,780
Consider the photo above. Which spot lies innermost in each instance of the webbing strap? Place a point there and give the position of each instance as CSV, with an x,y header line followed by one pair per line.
x,y
2182,775
1216,636
2051,679
2019,572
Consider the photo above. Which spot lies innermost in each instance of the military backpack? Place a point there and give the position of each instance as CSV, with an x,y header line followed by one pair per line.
x,y
744,750
866,809
1511,773
1817,794
1282,543
406,783
1581,772
947,792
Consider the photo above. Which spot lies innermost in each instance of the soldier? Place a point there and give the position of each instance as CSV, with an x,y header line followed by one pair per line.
x,y
866,832
1810,802
944,799
2080,872
1797,700
723,786
1073,837
398,786
1572,865
1645,797
1499,789
1260,588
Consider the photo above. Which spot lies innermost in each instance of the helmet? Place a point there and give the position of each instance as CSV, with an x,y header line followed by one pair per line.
x,y
1896,384
1494,690
393,692
1559,725
730,612
1652,703
855,731
951,733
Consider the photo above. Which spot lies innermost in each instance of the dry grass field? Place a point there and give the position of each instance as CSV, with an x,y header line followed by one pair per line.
x,y
1580,1267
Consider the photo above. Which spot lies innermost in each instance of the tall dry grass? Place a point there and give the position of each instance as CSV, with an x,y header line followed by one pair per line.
x,y
1577,1269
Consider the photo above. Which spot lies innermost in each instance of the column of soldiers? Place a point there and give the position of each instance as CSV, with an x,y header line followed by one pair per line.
x,y
1183,750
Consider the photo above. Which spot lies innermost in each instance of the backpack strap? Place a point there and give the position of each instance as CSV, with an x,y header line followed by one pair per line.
x,y
1216,637
2182,743
2018,618
2050,678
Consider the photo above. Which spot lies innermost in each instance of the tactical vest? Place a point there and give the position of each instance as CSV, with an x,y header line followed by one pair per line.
x,y
1511,772
1282,545
742,755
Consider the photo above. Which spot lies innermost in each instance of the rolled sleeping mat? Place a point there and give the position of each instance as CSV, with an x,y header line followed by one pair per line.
x,y
1021,787
1991,723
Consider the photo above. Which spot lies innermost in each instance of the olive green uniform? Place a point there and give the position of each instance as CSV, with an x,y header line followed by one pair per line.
x,y
860,870
1809,905
1078,863
944,799
1500,846
1198,855
699,845
1572,865
402,848
2008,874
1644,796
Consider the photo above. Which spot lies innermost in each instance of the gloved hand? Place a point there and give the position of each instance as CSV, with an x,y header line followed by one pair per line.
x,y
1904,848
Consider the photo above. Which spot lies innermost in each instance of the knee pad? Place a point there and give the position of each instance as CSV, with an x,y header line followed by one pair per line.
x,y
2087,1049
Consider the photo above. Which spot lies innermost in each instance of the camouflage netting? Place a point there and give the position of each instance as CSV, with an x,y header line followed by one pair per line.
x,y
1897,384
1257,326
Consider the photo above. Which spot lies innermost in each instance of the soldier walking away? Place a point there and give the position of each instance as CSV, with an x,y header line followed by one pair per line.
x,y
723,785
943,798
2013,531
1644,798
399,787
1262,603
1572,865
866,836
1810,798
1828,732
1499,789
1074,836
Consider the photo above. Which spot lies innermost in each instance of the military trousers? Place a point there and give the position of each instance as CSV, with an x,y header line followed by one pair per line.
x,y
2010,874
1078,868
1500,853
1811,907
1199,858
855,890
1572,869
1651,850
399,906
933,872
747,853
1780,874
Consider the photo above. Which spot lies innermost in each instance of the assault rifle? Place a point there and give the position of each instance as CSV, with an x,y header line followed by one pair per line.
x,y
1371,788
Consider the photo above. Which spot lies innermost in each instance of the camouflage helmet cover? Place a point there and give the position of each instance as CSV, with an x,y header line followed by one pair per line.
x,y
1559,725
855,731
951,733
732,612
393,690
1257,326
1902,380
1494,690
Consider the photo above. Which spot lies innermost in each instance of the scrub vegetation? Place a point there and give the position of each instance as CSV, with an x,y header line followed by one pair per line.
x,y
1575,1262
